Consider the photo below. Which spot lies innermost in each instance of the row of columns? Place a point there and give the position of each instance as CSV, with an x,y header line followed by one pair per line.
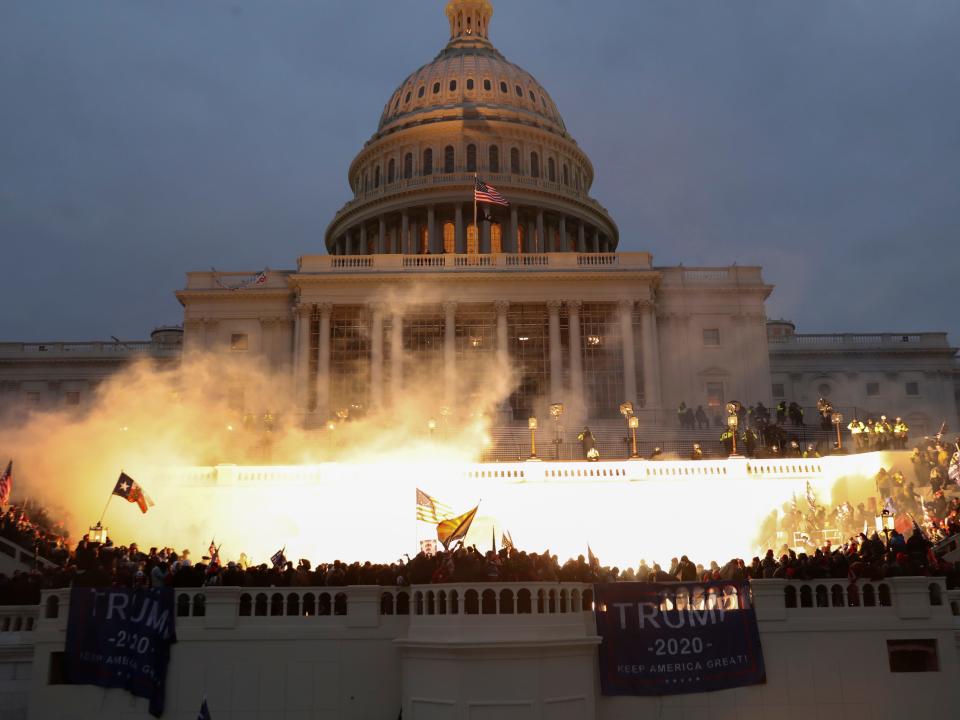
x,y
649,343
407,240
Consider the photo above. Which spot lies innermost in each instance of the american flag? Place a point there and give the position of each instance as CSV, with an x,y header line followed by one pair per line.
x,y
431,510
278,558
6,484
488,194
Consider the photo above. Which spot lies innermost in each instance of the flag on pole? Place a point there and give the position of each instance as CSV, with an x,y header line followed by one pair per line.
x,y
487,193
506,540
811,498
278,559
594,562
455,528
204,713
214,553
493,538
431,510
130,490
6,484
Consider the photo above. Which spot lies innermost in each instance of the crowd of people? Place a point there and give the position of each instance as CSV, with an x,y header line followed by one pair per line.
x,y
813,542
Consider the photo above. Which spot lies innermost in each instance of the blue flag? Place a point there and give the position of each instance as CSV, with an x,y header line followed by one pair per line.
x,y
121,638
204,711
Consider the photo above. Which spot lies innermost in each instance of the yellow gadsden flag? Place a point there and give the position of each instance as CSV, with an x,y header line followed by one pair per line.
x,y
455,528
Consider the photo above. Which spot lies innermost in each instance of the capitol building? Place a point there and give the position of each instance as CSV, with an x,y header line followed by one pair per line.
x,y
411,290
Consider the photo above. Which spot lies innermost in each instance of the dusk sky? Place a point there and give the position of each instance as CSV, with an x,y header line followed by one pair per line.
x,y
140,139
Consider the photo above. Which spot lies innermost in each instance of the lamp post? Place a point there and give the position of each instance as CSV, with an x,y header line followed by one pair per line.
x,y
634,422
532,425
837,418
556,410
885,523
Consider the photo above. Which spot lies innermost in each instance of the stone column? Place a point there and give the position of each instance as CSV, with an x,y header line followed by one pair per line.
x,y
323,362
404,231
581,237
531,246
541,237
382,239
651,357
449,351
596,240
576,357
431,229
303,311
510,245
396,356
556,358
484,236
459,230
563,234
363,239
629,359
503,347
376,355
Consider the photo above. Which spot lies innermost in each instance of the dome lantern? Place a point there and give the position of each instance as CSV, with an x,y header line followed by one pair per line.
x,y
469,19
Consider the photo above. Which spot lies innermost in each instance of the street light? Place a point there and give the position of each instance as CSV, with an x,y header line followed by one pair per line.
x,y
732,422
837,418
633,422
886,523
532,425
556,410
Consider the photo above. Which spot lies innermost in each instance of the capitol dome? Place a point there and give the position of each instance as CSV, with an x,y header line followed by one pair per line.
x,y
470,112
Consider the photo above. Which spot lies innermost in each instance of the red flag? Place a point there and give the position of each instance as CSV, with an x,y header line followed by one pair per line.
x,y
6,484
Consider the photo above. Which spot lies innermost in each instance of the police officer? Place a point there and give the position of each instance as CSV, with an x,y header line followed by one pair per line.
x,y
901,434
857,428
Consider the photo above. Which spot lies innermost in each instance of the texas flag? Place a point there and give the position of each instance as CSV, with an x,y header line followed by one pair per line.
x,y
129,490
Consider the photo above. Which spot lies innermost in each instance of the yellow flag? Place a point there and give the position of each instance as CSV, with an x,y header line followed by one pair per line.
x,y
455,528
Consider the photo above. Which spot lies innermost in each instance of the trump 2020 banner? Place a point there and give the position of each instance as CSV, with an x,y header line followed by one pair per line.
x,y
671,638
119,638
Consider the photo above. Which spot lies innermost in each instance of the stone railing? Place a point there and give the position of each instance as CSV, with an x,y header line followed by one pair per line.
x,y
74,349
392,263
16,619
859,340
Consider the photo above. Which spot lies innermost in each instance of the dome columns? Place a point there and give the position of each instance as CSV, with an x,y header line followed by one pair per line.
x,y
469,19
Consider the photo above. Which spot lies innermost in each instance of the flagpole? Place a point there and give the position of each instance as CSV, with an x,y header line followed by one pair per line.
x,y
100,521
476,229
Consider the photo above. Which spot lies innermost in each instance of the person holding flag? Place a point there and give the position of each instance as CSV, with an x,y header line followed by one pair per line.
x,y
448,531
278,558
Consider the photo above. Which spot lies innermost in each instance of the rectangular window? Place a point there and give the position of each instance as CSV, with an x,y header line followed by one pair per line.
x,y
873,389
714,394
913,656
913,389
711,336
238,342
73,398
778,390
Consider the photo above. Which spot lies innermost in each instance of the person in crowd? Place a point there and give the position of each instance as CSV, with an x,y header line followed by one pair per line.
x,y
589,444
701,417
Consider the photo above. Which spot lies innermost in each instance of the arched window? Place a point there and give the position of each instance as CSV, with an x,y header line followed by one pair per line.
x,y
421,91
453,85
487,85
471,158
494,159
449,238
534,165
515,161
473,240
436,88
496,238
469,83
551,170
391,170
427,162
519,91
566,174
376,177
448,159
408,166
503,86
